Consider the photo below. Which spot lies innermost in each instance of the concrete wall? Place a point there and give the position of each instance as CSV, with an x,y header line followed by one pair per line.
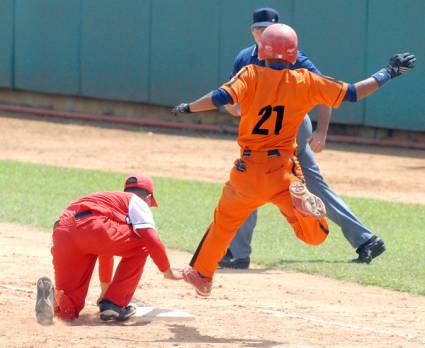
x,y
166,51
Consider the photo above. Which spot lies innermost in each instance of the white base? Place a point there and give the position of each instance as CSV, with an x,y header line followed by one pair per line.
x,y
148,314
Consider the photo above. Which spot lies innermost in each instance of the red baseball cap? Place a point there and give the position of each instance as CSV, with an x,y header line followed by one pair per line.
x,y
143,182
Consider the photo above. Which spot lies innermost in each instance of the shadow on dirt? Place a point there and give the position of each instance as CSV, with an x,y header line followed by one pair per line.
x,y
187,334
275,267
283,262
183,333
251,270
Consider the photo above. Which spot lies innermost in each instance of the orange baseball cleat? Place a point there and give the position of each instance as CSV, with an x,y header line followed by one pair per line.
x,y
203,285
305,202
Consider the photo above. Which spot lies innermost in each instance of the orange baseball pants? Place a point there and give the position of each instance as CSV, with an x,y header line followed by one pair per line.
x,y
265,180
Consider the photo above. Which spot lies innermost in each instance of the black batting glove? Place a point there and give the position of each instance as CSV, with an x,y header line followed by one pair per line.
x,y
182,108
400,63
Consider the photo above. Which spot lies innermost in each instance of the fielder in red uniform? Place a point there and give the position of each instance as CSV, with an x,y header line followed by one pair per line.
x,y
102,225
273,101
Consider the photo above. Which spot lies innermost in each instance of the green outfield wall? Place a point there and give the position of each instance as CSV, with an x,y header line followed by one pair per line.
x,y
166,51
7,14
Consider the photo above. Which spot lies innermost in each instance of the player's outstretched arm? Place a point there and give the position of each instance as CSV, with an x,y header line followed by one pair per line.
x,y
210,101
398,64
204,103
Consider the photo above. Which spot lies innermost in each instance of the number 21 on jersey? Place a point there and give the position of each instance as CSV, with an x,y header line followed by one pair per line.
x,y
265,114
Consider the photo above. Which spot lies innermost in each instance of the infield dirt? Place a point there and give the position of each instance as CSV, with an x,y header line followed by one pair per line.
x,y
255,308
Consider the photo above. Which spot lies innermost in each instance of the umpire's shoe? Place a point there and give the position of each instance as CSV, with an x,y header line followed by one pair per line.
x,y
111,312
374,247
45,298
228,261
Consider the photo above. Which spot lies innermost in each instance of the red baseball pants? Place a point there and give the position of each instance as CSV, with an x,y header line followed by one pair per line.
x,y
76,247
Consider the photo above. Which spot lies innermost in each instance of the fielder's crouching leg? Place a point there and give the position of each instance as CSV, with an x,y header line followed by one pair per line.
x,y
64,307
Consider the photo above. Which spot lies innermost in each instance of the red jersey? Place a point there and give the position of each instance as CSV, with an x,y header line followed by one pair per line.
x,y
113,205
125,208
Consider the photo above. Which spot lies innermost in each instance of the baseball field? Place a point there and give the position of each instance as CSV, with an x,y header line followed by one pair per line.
x,y
293,296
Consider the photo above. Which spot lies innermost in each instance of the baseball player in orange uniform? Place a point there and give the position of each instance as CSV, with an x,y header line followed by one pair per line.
x,y
273,101
103,225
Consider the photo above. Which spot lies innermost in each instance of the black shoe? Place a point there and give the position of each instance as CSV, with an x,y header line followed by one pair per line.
x,y
44,305
374,247
110,311
230,262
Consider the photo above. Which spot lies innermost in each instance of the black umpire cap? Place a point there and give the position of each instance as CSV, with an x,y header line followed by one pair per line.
x,y
263,17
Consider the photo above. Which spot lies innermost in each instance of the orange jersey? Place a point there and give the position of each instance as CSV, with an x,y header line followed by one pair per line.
x,y
274,103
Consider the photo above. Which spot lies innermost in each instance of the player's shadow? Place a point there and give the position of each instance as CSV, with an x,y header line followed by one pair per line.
x,y
275,267
145,319
87,319
284,261
183,333
187,334
248,271
148,315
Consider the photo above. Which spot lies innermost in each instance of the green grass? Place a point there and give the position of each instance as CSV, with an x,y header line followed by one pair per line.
x,y
35,195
